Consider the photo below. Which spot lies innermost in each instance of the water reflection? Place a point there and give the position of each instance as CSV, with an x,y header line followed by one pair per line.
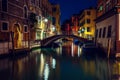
x,y
72,50
63,63
41,65
53,63
46,72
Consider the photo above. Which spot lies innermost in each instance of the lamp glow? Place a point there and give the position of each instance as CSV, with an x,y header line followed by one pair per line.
x,y
46,20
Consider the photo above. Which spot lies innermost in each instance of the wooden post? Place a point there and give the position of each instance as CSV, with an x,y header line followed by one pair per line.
x,y
12,36
28,40
109,47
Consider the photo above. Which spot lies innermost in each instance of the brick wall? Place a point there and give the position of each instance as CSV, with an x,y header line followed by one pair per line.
x,y
118,46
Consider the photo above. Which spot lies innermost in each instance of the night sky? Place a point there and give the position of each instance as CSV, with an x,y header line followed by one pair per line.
x,y
70,7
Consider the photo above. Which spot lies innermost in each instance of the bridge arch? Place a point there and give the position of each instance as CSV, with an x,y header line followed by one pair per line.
x,y
47,41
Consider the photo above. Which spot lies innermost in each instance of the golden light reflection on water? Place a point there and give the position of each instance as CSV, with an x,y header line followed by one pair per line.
x,y
115,70
59,50
48,67
72,50
118,63
41,65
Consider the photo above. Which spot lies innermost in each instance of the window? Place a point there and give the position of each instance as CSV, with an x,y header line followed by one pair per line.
x,y
25,12
88,12
4,26
39,3
109,5
54,9
25,29
88,29
100,8
54,20
33,1
104,32
115,2
109,31
4,5
96,33
100,32
88,21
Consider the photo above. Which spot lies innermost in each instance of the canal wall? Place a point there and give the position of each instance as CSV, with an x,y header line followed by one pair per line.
x,y
6,47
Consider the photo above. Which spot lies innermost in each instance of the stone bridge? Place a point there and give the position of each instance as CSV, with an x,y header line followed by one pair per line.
x,y
48,40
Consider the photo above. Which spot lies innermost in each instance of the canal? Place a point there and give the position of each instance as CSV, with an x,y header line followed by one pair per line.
x,y
63,63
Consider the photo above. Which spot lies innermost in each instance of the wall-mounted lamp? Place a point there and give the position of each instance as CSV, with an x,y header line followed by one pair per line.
x,y
46,20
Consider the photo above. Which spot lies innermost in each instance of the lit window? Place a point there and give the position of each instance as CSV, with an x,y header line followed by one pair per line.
x,y
4,26
101,8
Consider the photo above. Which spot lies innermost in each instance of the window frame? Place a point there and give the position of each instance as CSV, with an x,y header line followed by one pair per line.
x,y
25,12
88,12
109,31
100,32
88,29
4,6
2,26
104,32
25,26
97,34
33,2
88,21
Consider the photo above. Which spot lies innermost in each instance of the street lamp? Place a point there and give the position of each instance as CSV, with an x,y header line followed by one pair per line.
x,y
46,20
83,29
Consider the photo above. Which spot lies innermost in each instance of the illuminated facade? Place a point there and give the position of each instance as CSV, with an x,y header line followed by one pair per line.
x,y
108,25
10,14
74,24
29,14
43,16
56,17
87,23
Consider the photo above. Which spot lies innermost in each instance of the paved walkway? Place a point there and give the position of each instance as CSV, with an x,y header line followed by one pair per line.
x,y
6,46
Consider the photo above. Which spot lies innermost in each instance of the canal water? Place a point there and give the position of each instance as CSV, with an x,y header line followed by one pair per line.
x,y
63,63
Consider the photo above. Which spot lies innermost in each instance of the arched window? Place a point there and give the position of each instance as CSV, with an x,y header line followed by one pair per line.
x,y
25,12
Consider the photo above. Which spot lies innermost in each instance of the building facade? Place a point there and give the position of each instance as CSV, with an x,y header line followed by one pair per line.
x,y
30,14
87,23
108,25
74,24
56,18
34,18
10,14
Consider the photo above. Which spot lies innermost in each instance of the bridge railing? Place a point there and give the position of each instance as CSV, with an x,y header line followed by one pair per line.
x,y
65,33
